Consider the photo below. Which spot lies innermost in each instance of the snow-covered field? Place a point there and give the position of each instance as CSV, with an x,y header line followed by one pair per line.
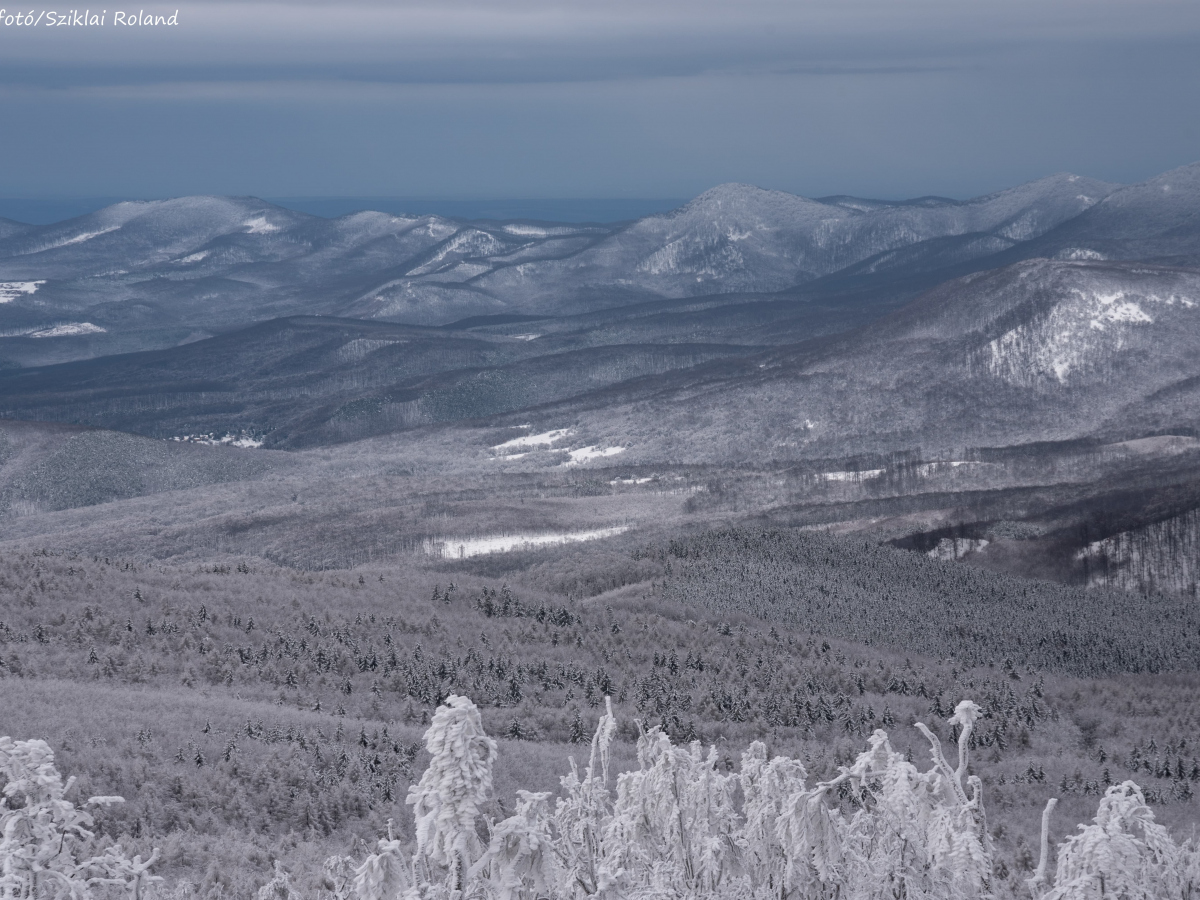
x,y
461,548
855,477
11,290
67,330
586,454
529,441
241,440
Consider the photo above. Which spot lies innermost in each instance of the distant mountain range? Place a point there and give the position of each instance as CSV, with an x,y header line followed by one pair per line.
x,y
148,274
855,342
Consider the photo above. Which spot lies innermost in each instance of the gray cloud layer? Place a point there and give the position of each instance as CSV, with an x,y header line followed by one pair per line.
x,y
615,98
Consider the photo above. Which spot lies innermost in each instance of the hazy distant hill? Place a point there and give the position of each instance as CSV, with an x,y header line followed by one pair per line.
x,y
306,380
739,237
1156,219
150,274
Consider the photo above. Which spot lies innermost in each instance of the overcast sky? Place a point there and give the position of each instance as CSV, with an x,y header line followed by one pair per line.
x,y
654,98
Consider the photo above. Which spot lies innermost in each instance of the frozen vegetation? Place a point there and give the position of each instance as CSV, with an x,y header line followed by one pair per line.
x,y
681,824
250,715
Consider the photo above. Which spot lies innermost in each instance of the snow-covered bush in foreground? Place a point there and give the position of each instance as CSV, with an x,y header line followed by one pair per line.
x,y
458,781
46,842
680,827
676,827
1124,854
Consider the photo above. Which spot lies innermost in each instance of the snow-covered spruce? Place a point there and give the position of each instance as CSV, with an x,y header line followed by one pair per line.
x,y
446,802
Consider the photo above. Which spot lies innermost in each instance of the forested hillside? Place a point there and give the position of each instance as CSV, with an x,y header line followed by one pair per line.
x,y
278,714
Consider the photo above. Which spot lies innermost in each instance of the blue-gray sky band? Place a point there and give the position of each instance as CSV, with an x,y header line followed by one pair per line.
x,y
655,99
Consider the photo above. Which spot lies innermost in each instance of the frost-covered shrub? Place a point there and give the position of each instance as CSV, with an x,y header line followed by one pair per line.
x,y
447,800
676,826
675,822
1123,854
912,834
338,874
581,816
767,785
47,847
383,874
279,887
520,862
680,827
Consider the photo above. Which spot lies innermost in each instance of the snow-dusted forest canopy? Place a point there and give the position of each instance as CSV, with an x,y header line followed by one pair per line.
x,y
253,715
681,824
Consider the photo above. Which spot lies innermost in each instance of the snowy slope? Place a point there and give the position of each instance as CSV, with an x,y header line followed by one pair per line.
x,y
737,237
1038,351
1158,218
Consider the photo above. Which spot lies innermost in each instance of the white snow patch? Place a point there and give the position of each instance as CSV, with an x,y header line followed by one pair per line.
x,y
586,454
521,229
933,468
468,243
956,548
1075,334
462,548
1078,254
241,440
545,439
11,290
1115,311
260,225
77,239
694,255
71,328
863,475
527,230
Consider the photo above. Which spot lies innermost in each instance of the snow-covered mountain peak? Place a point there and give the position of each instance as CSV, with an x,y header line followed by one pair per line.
x,y
738,199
